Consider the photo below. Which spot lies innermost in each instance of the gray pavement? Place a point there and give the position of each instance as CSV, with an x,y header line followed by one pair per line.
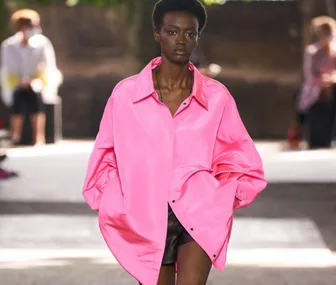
x,y
49,236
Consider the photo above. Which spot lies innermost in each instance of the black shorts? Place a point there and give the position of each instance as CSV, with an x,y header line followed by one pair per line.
x,y
176,236
27,101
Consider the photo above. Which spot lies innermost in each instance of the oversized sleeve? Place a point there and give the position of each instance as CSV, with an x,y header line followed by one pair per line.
x,y
236,158
102,166
47,72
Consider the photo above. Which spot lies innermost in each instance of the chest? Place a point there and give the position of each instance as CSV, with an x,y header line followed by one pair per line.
x,y
326,63
173,99
25,58
146,131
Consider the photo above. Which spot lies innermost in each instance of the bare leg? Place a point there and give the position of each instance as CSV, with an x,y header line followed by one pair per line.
x,y
167,275
16,128
38,127
193,265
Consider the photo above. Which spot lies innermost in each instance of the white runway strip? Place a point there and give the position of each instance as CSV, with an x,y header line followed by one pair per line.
x,y
268,258
280,165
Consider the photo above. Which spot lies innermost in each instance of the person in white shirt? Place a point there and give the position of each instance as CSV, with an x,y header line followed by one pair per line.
x,y
29,74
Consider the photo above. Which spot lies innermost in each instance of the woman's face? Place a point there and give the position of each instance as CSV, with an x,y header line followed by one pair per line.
x,y
324,39
324,36
178,36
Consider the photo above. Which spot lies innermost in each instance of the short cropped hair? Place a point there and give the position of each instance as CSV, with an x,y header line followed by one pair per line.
x,y
194,7
25,17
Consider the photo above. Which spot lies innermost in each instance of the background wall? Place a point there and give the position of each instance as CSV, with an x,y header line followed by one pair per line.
x,y
258,45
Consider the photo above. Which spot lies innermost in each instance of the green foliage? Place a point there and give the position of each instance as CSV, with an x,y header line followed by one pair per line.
x,y
99,3
71,3
211,2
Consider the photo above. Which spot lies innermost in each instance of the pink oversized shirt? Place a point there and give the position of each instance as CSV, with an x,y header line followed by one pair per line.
x,y
201,161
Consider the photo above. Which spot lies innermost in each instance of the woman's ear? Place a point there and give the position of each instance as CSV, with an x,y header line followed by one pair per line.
x,y
198,37
156,35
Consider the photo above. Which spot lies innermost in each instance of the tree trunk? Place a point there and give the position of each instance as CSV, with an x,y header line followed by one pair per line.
x,y
141,45
134,19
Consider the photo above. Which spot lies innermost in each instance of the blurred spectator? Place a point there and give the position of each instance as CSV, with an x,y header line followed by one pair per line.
x,y
317,97
29,74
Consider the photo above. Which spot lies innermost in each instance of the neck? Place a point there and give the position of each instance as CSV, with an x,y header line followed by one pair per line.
x,y
24,40
326,48
174,76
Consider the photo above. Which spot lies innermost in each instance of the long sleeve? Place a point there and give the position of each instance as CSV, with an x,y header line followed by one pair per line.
x,y
236,158
8,81
48,76
48,67
102,164
308,64
310,90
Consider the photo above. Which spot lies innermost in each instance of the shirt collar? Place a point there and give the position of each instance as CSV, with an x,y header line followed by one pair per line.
x,y
145,86
33,42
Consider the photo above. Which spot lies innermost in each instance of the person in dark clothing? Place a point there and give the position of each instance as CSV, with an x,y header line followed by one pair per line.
x,y
315,99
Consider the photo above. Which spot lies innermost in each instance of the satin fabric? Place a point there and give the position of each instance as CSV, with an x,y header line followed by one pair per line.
x,y
176,236
201,161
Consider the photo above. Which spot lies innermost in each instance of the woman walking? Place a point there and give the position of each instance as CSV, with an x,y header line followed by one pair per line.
x,y
171,161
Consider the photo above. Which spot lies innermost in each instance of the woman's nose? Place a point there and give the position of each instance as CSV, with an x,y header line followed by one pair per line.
x,y
181,38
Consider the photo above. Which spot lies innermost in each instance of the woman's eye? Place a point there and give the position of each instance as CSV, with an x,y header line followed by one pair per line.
x,y
172,33
191,34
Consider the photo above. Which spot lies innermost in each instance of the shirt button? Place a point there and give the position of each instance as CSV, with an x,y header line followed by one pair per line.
x,y
214,255
184,103
192,229
173,201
